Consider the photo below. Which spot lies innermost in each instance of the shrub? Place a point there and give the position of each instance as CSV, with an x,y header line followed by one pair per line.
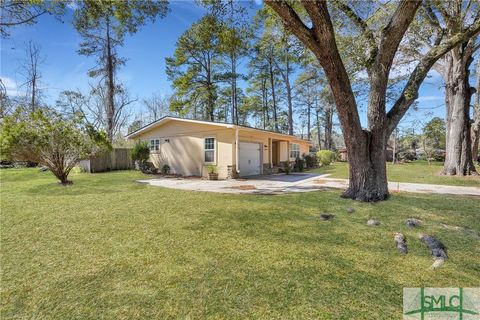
x,y
147,167
165,169
407,156
140,151
326,157
50,139
299,164
286,167
212,168
311,160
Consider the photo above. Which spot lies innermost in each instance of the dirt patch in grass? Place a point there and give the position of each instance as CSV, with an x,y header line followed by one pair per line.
x,y
244,187
324,181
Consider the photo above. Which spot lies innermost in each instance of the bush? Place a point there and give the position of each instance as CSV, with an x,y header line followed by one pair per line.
x,y
147,167
286,167
407,156
299,164
325,157
212,168
51,139
140,151
166,169
311,160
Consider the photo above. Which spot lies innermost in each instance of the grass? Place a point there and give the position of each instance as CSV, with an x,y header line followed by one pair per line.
x,y
109,248
415,172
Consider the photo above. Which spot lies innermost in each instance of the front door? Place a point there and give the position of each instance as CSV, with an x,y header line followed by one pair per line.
x,y
275,153
249,159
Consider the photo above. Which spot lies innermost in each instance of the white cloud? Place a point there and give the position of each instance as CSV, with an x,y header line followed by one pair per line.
x,y
72,5
430,98
10,86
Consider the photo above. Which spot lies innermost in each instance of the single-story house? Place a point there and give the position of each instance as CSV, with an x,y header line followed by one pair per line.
x,y
188,147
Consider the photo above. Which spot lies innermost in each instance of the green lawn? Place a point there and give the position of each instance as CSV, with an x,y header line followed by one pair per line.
x,y
109,248
415,172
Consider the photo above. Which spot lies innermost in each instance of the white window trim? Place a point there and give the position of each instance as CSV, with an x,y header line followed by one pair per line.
x,y
291,150
150,145
214,150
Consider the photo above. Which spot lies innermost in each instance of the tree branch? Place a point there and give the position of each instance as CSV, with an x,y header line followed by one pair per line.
x,y
320,39
26,20
394,31
363,26
410,92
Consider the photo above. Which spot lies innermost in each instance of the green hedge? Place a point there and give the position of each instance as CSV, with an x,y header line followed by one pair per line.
x,y
325,157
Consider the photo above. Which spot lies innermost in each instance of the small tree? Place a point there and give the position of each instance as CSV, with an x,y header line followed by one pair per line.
x,y
48,138
140,151
141,154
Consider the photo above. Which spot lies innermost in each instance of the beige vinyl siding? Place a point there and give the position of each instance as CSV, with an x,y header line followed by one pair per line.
x,y
182,147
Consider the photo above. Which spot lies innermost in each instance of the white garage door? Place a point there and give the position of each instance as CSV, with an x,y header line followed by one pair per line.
x,y
249,159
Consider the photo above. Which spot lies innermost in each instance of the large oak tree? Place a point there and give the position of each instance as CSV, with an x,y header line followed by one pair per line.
x,y
366,146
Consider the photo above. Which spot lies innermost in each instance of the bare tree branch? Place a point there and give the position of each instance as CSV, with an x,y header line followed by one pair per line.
x,y
410,92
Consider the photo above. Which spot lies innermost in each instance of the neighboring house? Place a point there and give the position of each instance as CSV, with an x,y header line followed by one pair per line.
x,y
190,146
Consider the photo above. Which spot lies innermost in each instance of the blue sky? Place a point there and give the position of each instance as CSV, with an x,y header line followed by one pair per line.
x,y
144,73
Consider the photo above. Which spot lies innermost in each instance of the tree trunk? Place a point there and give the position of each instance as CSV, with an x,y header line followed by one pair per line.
x,y
110,107
234,88
58,171
458,157
319,135
367,168
34,89
309,109
289,102
394,158
63,179
476,118
265,104
209,113
272,84
328,127
286,78
476,133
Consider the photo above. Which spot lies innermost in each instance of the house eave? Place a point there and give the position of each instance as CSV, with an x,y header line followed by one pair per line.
x,y
150,126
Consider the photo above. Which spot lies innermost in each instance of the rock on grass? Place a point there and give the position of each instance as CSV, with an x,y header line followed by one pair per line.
x,y
373,222
437,249
401,242
412,222
326,216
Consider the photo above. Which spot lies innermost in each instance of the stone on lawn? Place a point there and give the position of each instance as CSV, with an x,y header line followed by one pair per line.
x,y
401,242
326,216
43,169
350,210
412,222
373,222
437,249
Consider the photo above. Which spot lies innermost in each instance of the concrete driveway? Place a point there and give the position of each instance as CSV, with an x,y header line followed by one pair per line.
x,y
268,184
294,182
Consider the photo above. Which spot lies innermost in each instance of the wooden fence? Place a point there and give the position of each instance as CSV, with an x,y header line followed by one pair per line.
x,y
117,159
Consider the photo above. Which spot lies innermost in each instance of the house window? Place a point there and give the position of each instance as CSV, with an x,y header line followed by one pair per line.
x,y
154,144
294,150
209,150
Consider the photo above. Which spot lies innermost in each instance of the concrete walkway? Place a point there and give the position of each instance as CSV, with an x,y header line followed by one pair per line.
x,y
295,182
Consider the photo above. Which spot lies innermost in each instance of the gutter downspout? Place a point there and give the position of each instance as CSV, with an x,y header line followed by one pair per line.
x,y
236,151
270,143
